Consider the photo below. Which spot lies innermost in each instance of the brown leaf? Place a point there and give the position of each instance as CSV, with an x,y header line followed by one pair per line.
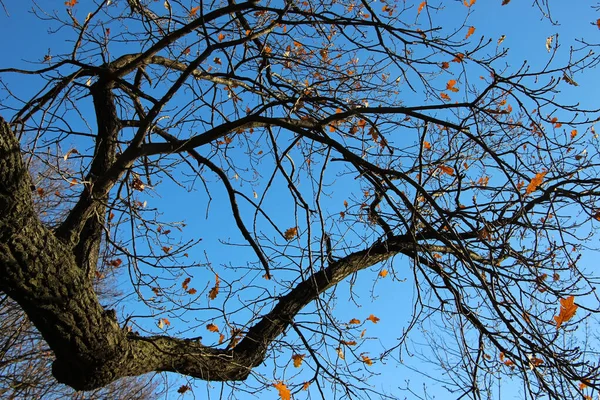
x,y
183,389
446,169
373,319
185,283
215,290
567,311
297,359
290,233
212,328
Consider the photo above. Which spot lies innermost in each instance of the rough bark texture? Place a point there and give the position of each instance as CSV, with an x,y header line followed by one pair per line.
x,y
41,272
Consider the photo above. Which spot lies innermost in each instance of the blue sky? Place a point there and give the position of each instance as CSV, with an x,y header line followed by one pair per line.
x,y
27,40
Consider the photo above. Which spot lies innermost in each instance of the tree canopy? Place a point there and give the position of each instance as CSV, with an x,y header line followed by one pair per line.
x,y
253,173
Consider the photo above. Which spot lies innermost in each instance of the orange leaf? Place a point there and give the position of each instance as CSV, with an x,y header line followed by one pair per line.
x,y
362,123
221,338
446,169
305,385
354,321
290,233
221,37
469,3
362,334
451,85
194,11
458,58
373,319
349,342
192,291
535,182
444,96
297,359
470,32
215,290
383,273
426,145
567,311
284,392
598,23
70,3
421,7
445,65
573,133
367,360
212,328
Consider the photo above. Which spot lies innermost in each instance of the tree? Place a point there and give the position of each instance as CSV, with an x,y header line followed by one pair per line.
x,y
25,366
25,359
340,137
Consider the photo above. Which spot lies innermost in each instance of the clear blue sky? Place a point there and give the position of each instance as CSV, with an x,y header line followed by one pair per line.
x,y
26,41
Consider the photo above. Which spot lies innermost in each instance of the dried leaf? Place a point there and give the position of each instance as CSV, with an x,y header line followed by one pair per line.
x,y
470,32
536,181
297,359
185,283
340,353
366,360
162,322
194,11
373,318
70,3
354,321
549,43
567,311
72,151
183,389
451,86
445,96
284,392
421,7
383,273
569,80
305,385
212,328
290,233
221,37
215,290
446,169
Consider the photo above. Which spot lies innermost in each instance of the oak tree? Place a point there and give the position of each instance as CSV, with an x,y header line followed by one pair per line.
x,y
330,147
